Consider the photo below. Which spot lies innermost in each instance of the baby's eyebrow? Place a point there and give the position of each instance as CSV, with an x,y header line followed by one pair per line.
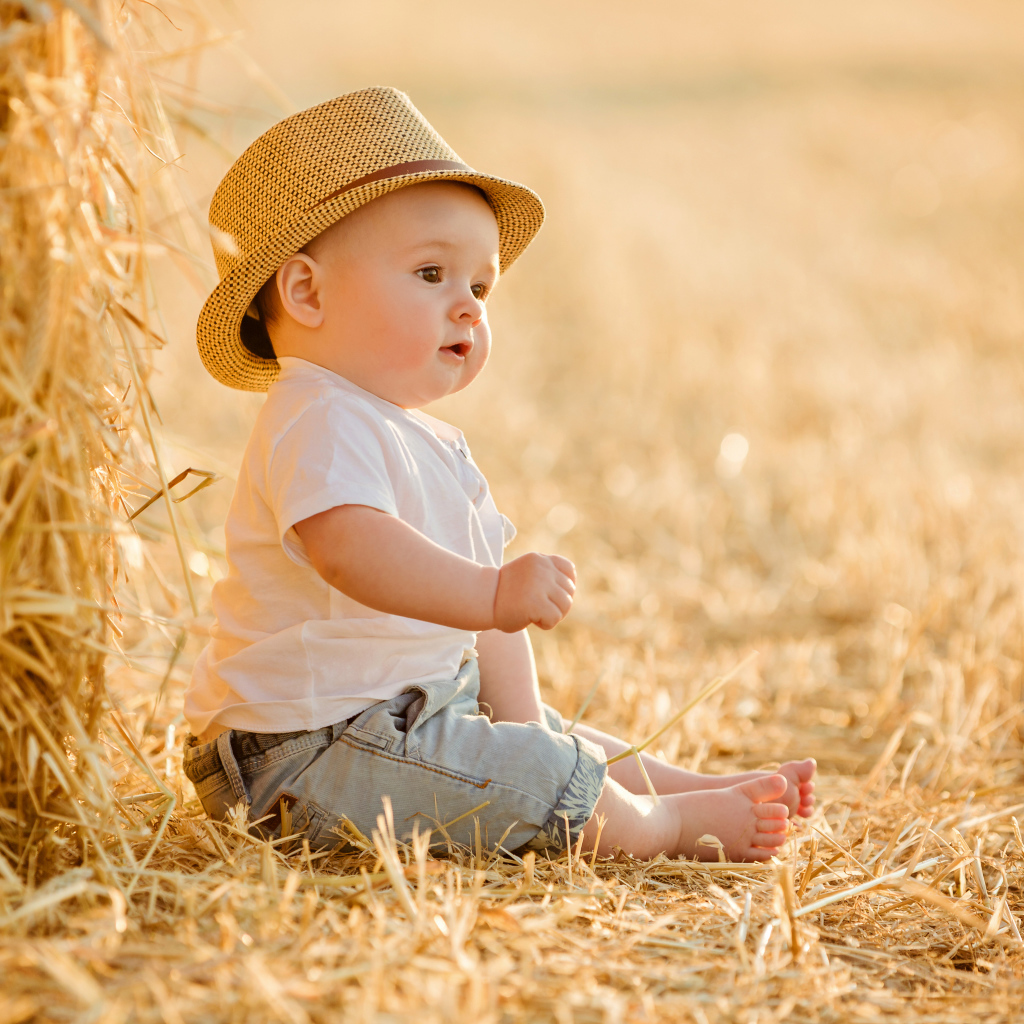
x,y
444,244
436,243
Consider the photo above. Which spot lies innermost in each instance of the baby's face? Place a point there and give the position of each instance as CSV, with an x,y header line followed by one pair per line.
x,y
403,283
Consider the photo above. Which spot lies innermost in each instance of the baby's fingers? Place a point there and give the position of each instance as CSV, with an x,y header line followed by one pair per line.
x,y
553,609
564,566
548,618
561,599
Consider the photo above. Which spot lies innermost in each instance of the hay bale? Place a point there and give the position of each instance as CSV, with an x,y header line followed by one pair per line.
x,y
81,133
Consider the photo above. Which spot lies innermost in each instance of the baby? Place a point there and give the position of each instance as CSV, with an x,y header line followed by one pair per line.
x,y
369,640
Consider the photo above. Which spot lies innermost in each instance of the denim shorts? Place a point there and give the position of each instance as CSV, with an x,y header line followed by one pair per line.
x,y
430,750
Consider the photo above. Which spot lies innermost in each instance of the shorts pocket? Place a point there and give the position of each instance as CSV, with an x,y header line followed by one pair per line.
x,y
304,818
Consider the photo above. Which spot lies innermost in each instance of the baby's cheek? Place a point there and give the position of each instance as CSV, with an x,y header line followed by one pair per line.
x,y
482,339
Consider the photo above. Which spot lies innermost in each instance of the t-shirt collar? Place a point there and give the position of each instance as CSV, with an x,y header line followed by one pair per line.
x,y
297,368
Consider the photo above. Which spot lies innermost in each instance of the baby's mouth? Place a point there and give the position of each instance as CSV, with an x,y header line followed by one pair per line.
x,y
459,348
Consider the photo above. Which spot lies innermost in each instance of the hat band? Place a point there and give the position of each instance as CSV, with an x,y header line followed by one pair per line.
x,y
396,171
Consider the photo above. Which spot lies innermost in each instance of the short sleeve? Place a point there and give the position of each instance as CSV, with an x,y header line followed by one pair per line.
x,y
508,531
333,453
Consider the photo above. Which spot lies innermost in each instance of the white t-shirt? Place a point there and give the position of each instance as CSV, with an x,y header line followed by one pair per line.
x,y
288,651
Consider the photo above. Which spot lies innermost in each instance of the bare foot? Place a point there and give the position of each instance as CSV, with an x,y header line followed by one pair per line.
x,y
799,777
746,818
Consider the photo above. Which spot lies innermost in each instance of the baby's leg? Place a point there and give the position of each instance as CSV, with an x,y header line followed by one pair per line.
x,y
508,677
509,693
667,778
745,818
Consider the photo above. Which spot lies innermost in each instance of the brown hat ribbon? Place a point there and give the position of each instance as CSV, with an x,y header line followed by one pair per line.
x,y
396,171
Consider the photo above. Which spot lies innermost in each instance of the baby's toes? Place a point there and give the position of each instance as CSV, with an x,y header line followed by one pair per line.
x,y
799,772
771,812
770,840
764,789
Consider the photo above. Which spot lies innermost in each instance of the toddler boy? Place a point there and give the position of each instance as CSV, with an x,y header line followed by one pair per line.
x,y
366,619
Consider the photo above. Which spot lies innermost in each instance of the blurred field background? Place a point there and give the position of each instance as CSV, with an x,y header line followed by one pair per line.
x,y
761,377
761,373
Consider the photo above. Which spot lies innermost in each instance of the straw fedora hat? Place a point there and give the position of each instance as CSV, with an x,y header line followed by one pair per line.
x,y
299,178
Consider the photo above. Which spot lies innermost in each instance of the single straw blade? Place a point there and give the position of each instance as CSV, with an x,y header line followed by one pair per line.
x,y
589,697
711,688
647,778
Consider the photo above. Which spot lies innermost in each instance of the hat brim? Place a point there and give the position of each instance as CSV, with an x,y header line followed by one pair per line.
x,y
518,211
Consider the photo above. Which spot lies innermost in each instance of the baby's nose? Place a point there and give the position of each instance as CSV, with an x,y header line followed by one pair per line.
x,y
471,310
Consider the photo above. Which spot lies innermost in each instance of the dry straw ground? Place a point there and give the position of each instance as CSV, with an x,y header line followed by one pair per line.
x,y
760,376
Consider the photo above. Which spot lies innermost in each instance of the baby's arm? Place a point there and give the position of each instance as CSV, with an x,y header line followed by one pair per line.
x,y
384,563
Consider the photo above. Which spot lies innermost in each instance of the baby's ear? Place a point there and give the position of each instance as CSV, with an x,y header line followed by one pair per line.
x,y
298,285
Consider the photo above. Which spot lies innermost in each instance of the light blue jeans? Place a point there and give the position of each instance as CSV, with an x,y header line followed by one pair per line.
x,y
431,751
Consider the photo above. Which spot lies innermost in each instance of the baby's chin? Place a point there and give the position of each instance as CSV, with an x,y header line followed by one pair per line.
x,y
417,397
415,387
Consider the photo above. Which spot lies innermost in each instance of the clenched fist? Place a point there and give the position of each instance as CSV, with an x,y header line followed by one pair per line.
x,y
534,588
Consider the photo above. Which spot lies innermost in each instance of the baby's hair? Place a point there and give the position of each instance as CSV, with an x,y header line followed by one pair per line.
x,y
268,302
265,310
254,328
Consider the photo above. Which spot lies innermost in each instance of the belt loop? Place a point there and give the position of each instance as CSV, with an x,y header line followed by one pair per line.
x,y
230,765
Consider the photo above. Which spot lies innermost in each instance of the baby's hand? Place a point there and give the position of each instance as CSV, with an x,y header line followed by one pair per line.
x,y
534,588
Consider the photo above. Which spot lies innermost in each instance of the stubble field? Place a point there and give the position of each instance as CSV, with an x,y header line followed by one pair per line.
x,y
761,378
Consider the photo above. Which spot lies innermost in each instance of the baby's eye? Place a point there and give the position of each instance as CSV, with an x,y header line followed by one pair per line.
x,y
432,275
479,291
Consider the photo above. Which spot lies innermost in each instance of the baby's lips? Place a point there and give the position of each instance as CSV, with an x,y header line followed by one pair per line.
x,y
461,347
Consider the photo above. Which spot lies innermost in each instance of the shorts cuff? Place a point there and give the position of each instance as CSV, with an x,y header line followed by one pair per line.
x,y
553,718
576,805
